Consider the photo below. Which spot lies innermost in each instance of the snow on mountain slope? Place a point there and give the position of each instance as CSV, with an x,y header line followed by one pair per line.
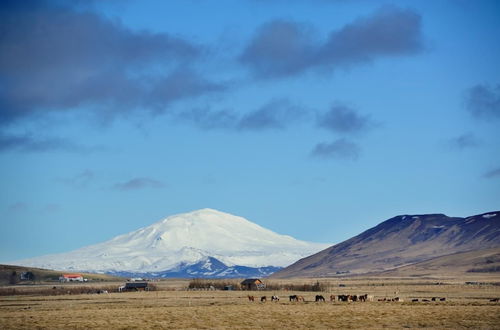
x,y
184,239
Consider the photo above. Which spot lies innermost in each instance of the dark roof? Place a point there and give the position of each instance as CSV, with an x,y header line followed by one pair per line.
x,y
137,285
250,281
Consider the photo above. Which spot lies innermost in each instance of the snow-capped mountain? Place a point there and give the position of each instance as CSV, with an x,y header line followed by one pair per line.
x,y
203,243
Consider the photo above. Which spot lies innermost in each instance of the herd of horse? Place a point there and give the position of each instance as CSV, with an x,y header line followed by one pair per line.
x,y
318,298
264,298
347,298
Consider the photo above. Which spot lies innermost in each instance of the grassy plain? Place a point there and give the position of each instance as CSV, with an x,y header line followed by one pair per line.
x,y
173,307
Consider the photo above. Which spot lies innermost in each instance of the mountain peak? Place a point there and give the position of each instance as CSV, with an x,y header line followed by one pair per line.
x,y
205,215
206,210
185,239
419,216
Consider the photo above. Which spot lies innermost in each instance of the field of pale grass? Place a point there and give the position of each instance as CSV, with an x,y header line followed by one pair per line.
x,y
466,306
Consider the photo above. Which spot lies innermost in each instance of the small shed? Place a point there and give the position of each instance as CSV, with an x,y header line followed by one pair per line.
x,y
136,286
252,284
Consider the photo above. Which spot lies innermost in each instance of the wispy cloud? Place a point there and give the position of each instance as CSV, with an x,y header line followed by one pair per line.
x,y
18,207
338,149
343,119
483,101
80,180
283,48
22,207
51,208
31,143
208,119
492,174
464,141
138,183
276,114
180,84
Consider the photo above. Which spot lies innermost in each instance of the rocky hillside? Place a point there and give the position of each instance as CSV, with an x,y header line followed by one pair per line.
x,y
401,241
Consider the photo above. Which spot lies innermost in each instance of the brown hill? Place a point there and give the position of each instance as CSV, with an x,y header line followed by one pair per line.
x,y
400,241
12,275
458,264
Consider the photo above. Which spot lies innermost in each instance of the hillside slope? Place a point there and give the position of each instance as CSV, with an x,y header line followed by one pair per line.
x,y
10,274
485,261
400,241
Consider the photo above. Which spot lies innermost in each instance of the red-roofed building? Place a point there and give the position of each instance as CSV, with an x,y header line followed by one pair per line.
x,y
71,278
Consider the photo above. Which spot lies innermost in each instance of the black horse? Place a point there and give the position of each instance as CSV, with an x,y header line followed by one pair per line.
x,y
319,298
343,297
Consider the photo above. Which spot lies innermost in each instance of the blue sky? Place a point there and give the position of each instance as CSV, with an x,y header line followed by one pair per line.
x,y
318,119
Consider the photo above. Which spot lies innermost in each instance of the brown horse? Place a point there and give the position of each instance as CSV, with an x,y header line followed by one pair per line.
x,y
300,298
263,299
251,298
332,297
363,297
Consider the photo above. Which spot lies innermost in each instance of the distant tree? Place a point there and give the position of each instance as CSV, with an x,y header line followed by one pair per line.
x,y
318,287
13,278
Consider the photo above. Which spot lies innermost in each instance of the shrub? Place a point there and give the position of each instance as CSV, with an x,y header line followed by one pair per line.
x,y
212,284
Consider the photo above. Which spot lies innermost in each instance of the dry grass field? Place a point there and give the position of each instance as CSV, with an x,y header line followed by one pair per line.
x,y
171,307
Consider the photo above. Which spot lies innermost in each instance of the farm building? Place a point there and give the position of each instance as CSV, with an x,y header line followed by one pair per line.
x,y
136,286
252,284
27,276
71,278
